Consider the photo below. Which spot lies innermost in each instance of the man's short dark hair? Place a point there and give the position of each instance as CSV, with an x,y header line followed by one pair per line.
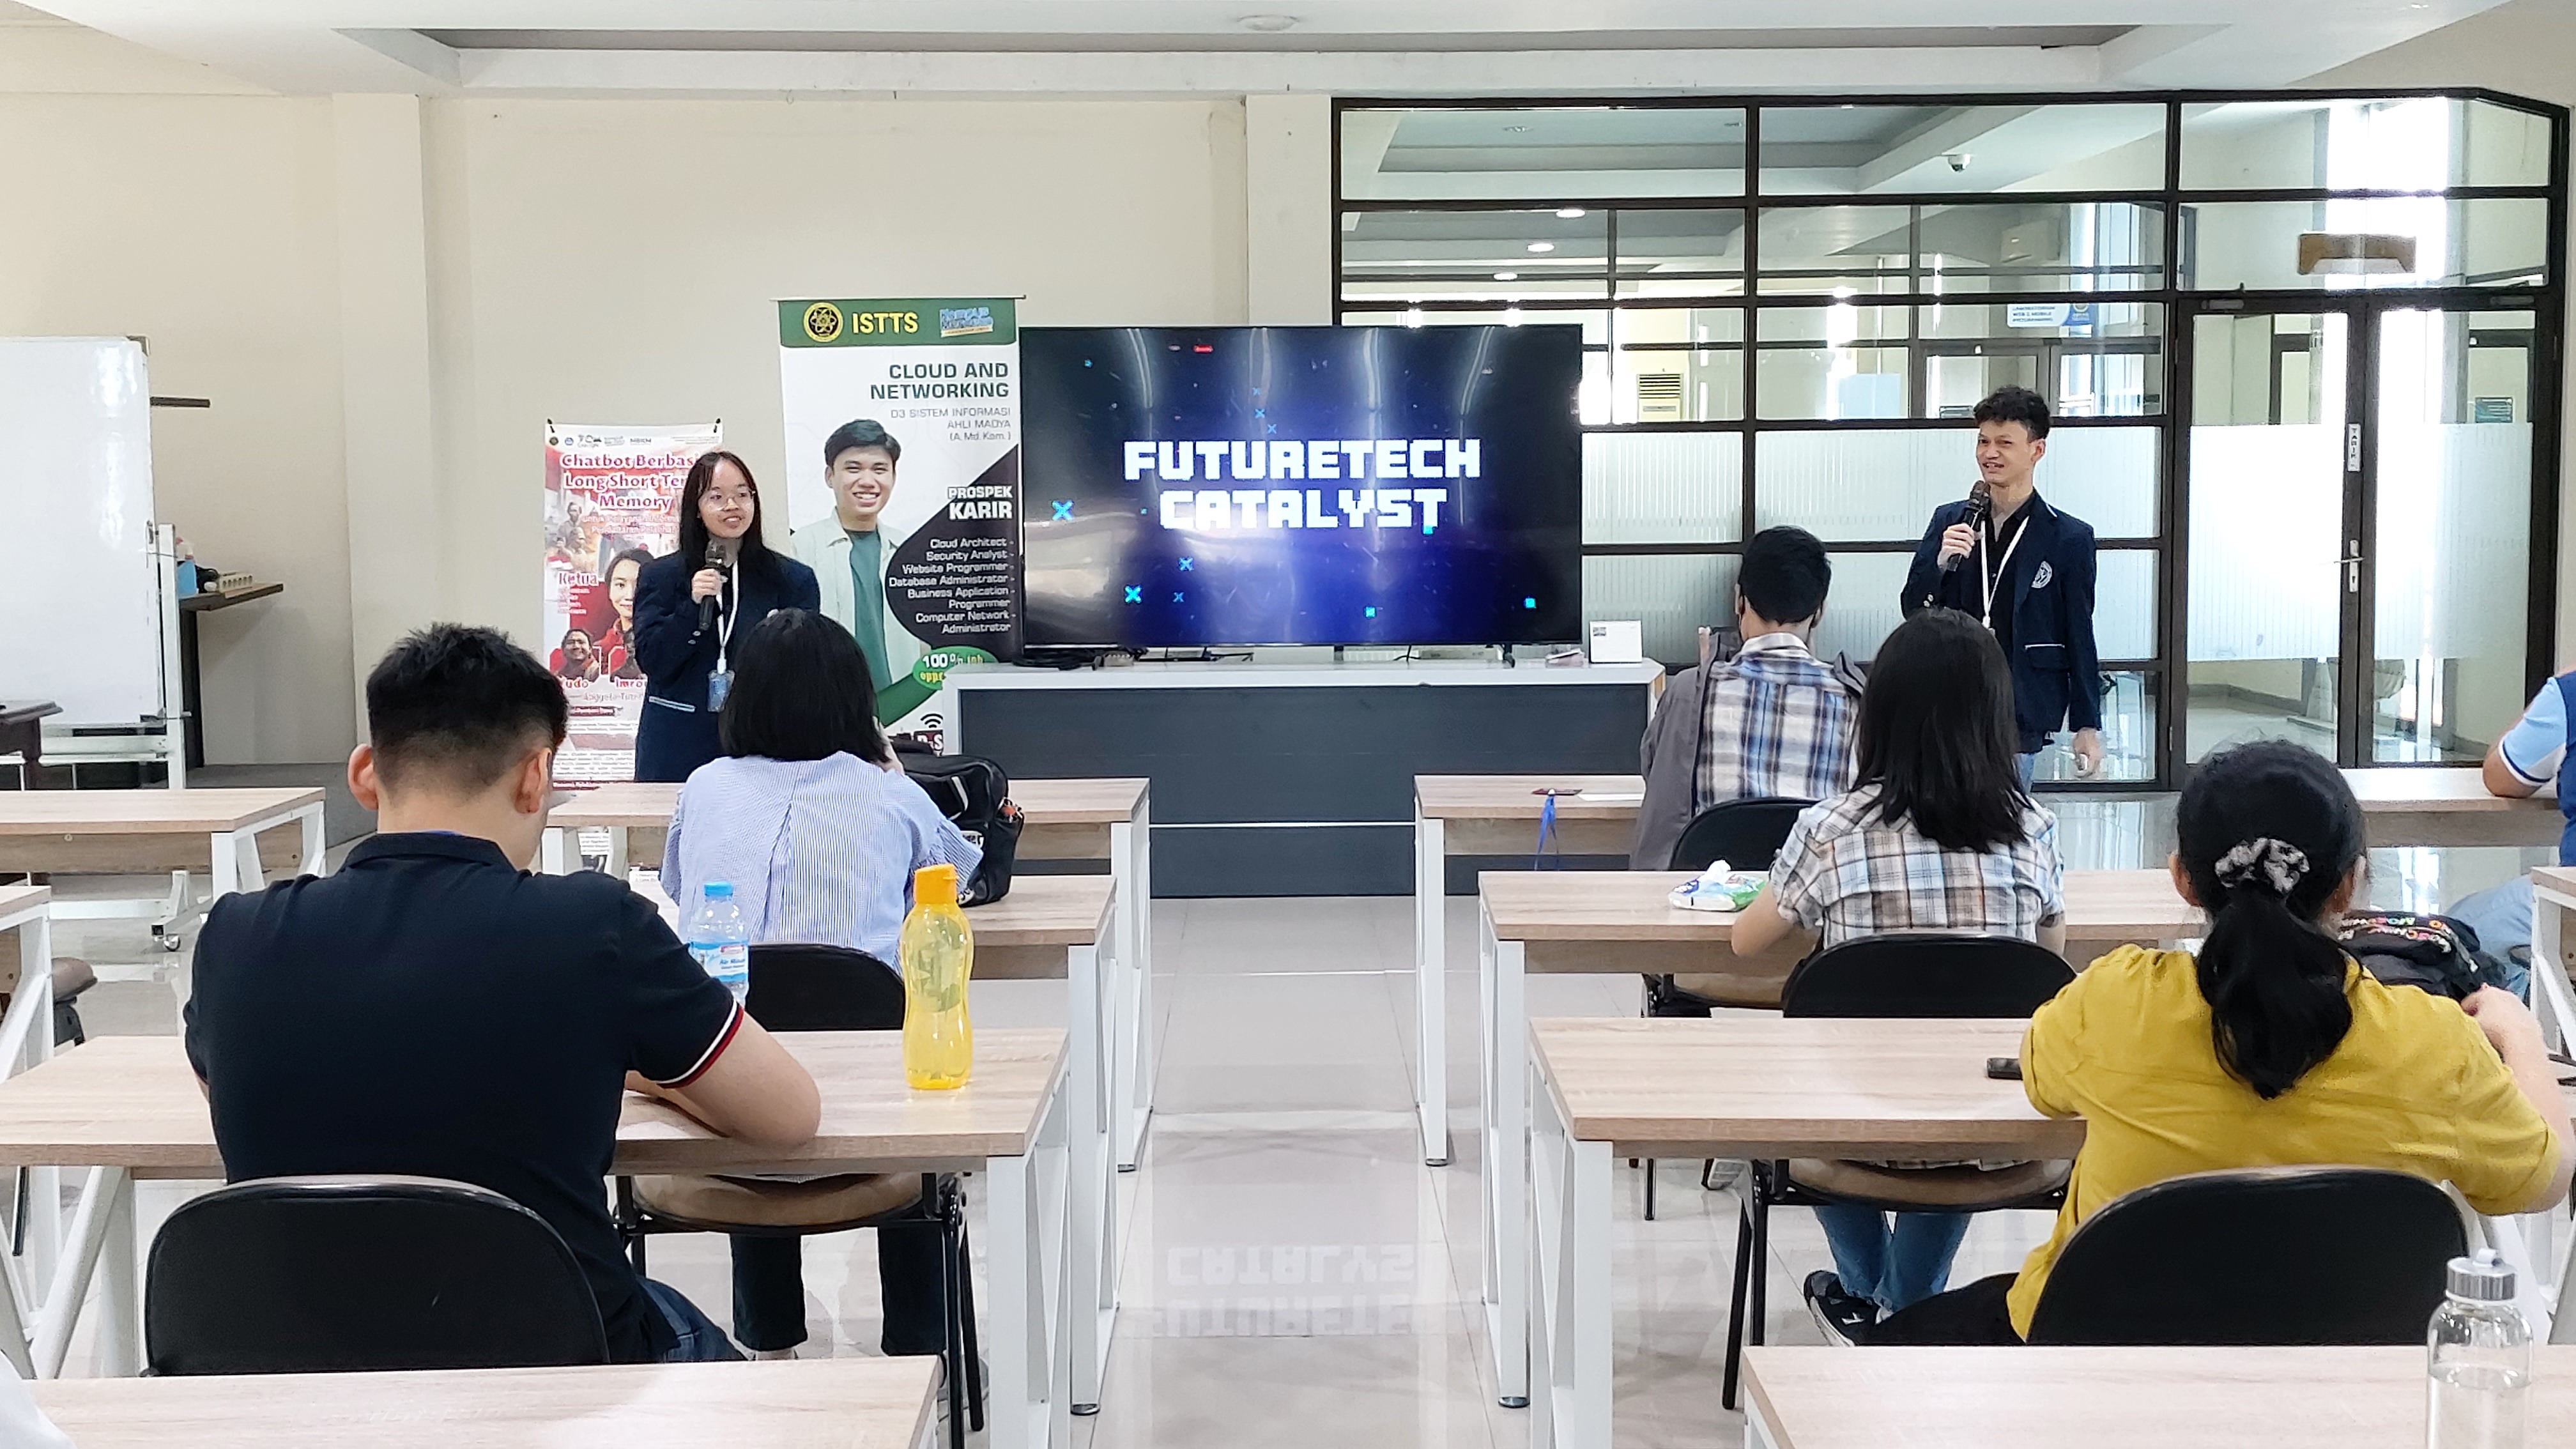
x,y
459,704
860,433
1785,574
2015,405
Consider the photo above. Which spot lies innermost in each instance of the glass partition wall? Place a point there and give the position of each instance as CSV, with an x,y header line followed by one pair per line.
x,y
2302,349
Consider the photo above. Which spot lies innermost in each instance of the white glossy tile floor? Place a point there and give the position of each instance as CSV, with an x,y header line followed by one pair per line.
x,y
1294,1275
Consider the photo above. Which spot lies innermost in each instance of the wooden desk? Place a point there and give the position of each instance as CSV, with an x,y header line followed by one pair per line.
x,y
2449,805
1499,815
2113,1398
1487,815
842,1403
1620,923
124,832
129,1107
1109,820
1762,1087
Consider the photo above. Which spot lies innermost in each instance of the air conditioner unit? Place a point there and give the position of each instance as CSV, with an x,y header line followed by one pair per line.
x,y
1659,397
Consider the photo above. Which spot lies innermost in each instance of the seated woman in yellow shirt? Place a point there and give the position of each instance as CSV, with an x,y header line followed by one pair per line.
x,y
2271,1048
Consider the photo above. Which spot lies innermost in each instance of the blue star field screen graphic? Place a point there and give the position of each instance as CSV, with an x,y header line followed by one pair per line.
x,y
1301,485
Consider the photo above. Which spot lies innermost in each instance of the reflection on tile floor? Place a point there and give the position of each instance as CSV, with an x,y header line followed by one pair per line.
x,y
1294,1274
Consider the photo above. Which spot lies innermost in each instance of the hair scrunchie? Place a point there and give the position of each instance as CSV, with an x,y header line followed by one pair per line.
x,y
2274,867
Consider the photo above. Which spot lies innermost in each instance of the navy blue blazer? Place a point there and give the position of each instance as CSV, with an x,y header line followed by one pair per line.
x,y
678,732
2056,673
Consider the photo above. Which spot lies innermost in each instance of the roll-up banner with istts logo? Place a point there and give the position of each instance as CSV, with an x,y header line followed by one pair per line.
x,y
903,465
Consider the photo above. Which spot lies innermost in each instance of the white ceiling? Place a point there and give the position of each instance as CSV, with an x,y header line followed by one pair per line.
x,y
1203,47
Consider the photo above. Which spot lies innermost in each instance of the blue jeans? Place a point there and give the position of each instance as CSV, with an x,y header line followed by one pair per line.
x,y
1894,1269
2026,767
700,1340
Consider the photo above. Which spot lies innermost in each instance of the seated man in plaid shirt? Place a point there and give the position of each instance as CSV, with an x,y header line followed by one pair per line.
x,y
1772,721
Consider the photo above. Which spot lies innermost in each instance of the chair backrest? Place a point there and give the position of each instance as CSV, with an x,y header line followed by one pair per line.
x,y
333,1274
1746,834
1983,977
823,988
2270,1255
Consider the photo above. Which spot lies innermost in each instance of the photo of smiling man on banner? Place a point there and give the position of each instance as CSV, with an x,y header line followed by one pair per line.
x,y
848,552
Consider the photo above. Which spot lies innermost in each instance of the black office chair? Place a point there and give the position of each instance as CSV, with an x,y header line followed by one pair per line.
x,y
2269,1255
343,1274
826,988
1899,976
1746,834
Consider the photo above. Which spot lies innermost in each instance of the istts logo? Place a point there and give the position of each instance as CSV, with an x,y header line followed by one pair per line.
x,y
822,321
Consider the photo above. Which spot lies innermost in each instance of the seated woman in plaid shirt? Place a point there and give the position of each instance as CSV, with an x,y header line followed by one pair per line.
x,y
1936,836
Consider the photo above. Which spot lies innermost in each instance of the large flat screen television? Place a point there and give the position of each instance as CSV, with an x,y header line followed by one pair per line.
x,y
1195,487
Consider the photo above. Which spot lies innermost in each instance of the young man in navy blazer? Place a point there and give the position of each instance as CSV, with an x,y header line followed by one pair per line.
x,y
2028,575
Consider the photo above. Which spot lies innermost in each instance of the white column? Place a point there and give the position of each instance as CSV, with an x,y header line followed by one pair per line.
x,y
1288,201
395,565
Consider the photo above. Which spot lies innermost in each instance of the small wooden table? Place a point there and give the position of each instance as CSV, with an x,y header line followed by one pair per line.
x,y
1621,922
1101,819
124,832
129,1107
2448,805
1764,1087
2113,1398
841,1403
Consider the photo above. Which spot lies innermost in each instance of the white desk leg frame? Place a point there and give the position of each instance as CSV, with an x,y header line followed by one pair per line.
x,y
1131,862
100,1248
27,1039
1503,1022
1570,1339
2555,1004
1028,1289
550,850
1430,986
1092,1278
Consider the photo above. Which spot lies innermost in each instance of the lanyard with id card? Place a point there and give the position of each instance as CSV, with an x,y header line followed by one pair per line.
x,y
720,681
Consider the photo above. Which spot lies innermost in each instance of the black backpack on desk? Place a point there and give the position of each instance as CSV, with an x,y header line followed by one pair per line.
x,y
975,794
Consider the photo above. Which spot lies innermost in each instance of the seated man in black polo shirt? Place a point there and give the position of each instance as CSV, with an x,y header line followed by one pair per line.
x,y
434,1009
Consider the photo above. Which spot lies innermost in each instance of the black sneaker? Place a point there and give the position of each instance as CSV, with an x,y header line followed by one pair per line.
x,y
1844,1320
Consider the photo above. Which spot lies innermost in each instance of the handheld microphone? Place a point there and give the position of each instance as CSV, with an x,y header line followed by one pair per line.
x,y
719,558
1981,506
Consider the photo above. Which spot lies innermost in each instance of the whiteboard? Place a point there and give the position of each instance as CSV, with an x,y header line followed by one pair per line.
x,y
78,585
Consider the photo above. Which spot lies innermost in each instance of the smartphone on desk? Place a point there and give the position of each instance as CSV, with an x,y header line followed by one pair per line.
x,y
2004,1069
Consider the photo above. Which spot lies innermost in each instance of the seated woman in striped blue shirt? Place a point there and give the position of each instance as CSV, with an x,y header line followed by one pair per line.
x,y
817,828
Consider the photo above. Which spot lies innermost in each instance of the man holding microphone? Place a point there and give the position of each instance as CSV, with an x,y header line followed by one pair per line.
x,y
2025,569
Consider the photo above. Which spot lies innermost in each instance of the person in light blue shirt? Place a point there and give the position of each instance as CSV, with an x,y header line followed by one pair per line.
x,y
818,830
2525,761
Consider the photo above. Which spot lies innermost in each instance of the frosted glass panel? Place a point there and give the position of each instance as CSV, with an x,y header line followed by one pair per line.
x,y
1884,484
2451,559
1662,487
1864,605
2124,604
1672,595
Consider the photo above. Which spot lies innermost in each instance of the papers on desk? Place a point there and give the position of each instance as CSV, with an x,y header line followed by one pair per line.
x,y
1719,888
1613,797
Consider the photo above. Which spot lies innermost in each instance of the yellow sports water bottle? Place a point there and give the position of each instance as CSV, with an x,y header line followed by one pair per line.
x,y
938,950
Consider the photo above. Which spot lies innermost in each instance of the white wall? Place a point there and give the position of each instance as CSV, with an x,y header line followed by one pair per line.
x,y
615,261
204,224
386,299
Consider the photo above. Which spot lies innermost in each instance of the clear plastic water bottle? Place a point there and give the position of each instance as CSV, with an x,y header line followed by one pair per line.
x,y
720,938
2478,1352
